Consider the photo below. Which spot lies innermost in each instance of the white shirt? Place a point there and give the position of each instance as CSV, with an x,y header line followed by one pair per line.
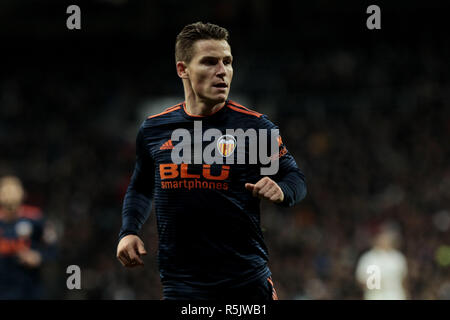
x,y
382,273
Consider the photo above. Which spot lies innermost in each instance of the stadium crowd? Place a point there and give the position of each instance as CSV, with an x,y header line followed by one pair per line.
x,y
370,130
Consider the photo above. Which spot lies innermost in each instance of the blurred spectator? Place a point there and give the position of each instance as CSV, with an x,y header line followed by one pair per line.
x,y
25,243
386,266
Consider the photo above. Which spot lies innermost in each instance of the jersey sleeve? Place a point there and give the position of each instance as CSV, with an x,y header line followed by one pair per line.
x,y
289,177
138,198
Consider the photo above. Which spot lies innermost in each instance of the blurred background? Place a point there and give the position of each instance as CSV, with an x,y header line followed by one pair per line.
x,y
366,114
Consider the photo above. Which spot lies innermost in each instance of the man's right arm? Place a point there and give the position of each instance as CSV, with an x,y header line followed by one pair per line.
x,y
138,198
136,206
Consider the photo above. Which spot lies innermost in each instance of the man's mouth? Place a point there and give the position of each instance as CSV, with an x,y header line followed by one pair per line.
x,y
220,85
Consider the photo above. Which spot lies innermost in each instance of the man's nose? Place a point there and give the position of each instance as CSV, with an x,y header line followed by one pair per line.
x,y
220,72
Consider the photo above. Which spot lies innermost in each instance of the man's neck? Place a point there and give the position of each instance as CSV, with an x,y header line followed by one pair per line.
x,y
202,108
198,107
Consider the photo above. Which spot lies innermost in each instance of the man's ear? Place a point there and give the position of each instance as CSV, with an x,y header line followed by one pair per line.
x,y
182,70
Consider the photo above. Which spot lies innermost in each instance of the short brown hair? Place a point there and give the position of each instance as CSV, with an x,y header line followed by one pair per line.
x,y
194,32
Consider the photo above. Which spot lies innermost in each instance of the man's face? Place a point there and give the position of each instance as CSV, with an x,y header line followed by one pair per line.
x,y
11,193
210,71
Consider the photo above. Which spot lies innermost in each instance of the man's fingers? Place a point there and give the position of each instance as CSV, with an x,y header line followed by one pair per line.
x,y
133,259
254,188
137,261
134,253
249,186
273,198
276,197
129,251
267,187
123,254
255,191
261,183
122,261
141,250
259,186
271,192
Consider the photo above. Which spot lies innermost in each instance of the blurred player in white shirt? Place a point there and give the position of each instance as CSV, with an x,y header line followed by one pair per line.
x,y
382,270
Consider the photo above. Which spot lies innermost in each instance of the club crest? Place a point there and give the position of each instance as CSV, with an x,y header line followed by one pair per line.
x,y
226,145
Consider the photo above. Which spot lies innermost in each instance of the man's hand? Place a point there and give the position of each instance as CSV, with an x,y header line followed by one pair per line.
x,y
267,189
129,251
30,258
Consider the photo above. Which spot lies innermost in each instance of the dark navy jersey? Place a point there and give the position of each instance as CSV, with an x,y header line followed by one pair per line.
x,y
208,223
24,232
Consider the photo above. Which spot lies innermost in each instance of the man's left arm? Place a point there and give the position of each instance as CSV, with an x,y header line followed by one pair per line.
x,y
288,186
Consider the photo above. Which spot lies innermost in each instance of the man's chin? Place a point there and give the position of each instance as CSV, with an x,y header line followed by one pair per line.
x,y
218,99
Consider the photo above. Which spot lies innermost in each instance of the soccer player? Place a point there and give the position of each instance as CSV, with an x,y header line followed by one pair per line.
x,y
25,244
211,245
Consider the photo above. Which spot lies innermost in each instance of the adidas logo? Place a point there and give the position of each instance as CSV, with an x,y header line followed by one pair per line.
x,y
167,145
